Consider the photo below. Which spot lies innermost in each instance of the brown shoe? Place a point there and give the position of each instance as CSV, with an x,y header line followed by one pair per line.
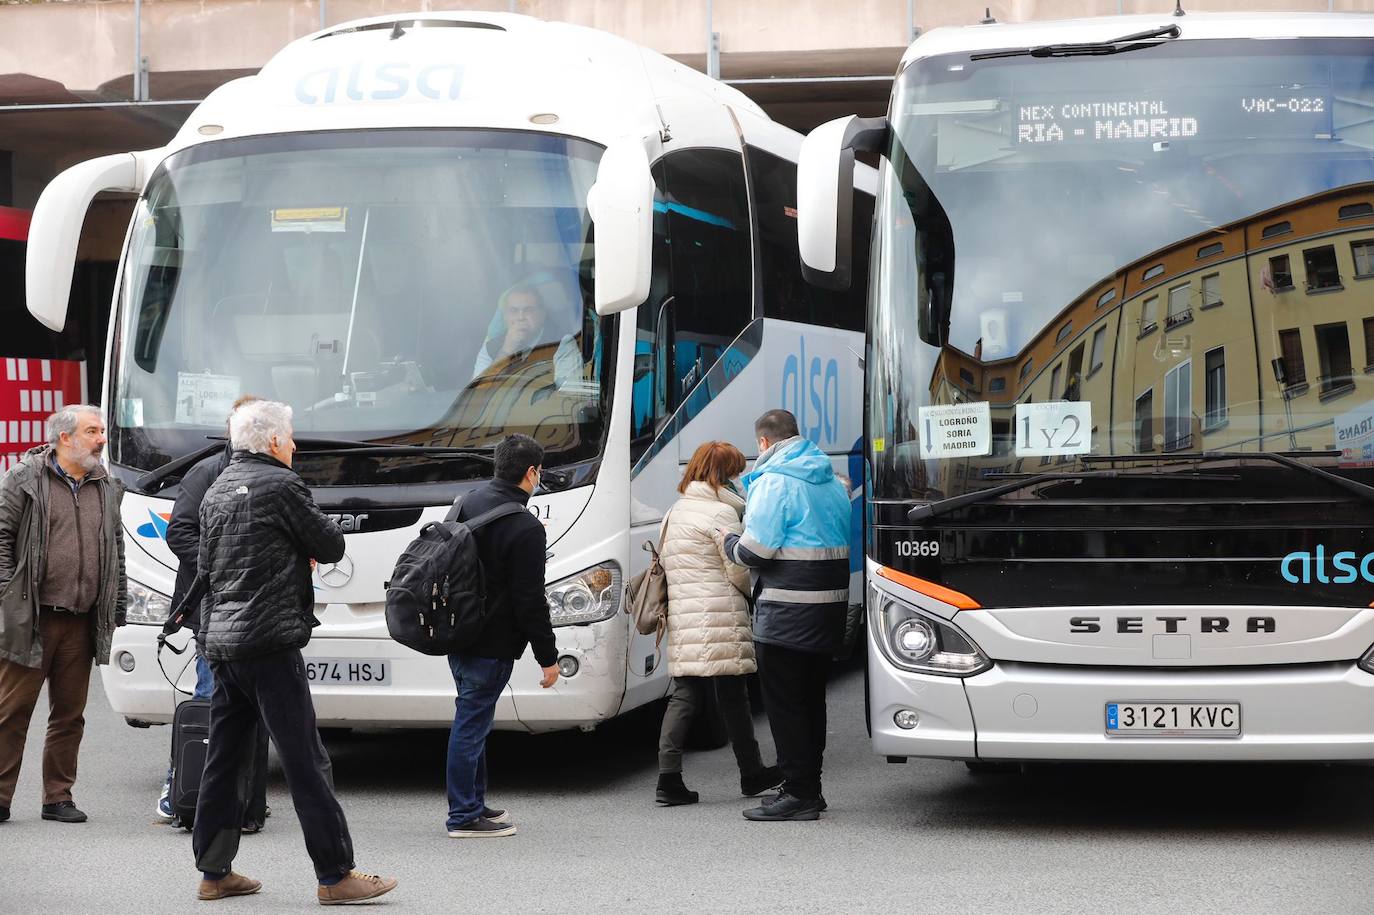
x,y
231,884
355,888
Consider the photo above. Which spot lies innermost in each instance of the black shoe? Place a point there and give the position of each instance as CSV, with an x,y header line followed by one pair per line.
x,y
760,781
774,798
63,812
785,807
672,792
251,827
4,814
495,814
482,828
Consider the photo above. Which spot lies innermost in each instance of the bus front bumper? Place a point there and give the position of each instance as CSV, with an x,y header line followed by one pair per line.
x,y
1307,712
418,693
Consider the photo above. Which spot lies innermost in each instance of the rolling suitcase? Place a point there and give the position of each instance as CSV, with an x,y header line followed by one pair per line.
x,y
190,745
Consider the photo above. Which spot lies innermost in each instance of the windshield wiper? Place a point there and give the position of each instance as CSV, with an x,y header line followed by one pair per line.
x,y
1133,42
154,480
1285,458
159,478
953,503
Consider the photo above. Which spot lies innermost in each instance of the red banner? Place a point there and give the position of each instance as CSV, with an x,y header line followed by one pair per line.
x,y
30,390
14,224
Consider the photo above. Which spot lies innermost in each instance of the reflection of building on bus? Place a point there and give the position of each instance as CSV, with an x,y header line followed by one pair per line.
x,y
41,370
1258,335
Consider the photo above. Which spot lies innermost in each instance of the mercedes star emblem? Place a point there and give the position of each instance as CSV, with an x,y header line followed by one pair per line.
x,y
336,574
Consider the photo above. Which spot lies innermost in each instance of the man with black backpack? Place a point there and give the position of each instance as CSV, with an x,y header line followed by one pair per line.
x,y
511,550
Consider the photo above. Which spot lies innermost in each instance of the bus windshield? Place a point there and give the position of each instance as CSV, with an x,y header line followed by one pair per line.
x,y
409,287
1088,262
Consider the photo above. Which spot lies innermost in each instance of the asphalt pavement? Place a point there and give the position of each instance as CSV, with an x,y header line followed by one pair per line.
x,y
926,836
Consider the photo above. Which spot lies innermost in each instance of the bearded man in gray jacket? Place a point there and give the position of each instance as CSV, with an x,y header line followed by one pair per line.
x,y
62,593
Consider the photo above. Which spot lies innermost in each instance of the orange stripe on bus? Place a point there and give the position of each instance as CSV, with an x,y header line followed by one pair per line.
x,y
930,589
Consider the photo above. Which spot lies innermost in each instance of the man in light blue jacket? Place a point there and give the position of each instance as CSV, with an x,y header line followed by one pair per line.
x,y
796,541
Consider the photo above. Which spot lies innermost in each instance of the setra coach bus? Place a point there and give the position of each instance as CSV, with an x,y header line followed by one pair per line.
x,y
1120,388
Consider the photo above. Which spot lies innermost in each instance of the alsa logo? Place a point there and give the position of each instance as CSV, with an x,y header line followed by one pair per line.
x,y
364,82
156,528
811,391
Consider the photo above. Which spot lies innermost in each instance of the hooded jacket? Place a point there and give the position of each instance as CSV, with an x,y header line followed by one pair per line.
x,y
24,559
708,613
259,529
796,539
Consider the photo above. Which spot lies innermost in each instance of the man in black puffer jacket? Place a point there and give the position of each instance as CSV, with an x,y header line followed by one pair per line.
x,y
260,533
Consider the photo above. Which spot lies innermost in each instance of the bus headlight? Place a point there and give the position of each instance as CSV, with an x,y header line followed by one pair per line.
x,y
146,607
918,641
590,596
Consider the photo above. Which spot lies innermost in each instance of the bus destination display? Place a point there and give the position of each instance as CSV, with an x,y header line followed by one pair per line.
x,y
1271,112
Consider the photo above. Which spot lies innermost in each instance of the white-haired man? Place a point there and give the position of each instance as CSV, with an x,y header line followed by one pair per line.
x,y
259,533
62,593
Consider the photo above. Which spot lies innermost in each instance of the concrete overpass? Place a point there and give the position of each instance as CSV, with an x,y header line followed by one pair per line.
x,y
80,78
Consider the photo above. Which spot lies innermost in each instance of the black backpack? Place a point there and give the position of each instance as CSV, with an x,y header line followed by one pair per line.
x,y
436,598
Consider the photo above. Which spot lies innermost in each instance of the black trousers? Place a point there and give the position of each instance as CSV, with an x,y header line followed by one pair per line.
x,y
688,696
793,685
272,688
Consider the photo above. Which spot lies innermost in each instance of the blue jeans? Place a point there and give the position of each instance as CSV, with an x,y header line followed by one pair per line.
x,y
479,682
205,680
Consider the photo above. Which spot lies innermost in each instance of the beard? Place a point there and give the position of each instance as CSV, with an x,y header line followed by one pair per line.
x,y
87,458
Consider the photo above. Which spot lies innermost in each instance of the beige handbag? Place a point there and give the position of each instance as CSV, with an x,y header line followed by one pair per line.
x,y
648,602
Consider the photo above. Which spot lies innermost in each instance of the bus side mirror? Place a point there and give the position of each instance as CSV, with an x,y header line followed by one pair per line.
x,y
825,196
621,203
56,229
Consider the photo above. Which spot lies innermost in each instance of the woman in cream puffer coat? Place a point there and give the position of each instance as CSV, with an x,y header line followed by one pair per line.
x,y
709,642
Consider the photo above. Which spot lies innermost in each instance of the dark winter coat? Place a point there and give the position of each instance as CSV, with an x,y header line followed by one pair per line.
x,y
183,530
259,529
24,558
512,554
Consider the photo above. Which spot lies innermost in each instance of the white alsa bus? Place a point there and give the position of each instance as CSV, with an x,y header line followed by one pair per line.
x,y
1120,409
342,232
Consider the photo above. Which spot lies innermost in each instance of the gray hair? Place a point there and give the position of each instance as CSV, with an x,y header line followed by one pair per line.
x,y
65,420
253,425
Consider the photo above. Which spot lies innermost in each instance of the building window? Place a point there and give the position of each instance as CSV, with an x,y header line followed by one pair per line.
x,y
1105,298
1152,272
966,377
1216,388
1333,352
1099,348
1369,344
1322,272
1180,310
1294,368
1278,228
1280,274
1363,254
1211,250
1055,377
1211,290
997,385
1026,369
1149,315
1063,332
1144,422
1356,210
1178,407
